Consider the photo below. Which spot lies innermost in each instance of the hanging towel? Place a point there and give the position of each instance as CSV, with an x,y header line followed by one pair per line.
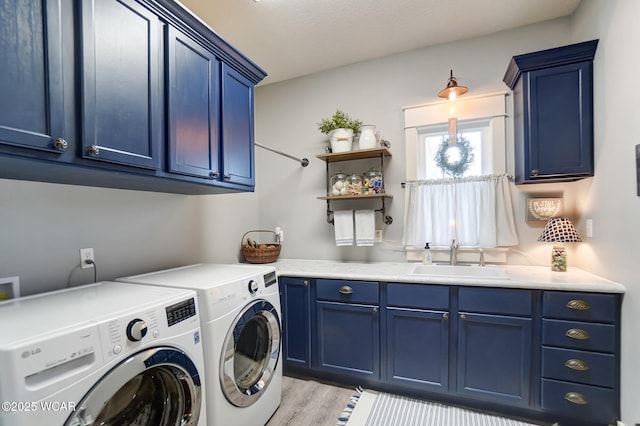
x,y
343,227
365,227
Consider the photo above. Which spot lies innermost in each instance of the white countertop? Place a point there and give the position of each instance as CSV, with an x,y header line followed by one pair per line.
x,y
527,277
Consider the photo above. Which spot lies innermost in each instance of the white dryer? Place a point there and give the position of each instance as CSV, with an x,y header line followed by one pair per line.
x,y
106,353
240,321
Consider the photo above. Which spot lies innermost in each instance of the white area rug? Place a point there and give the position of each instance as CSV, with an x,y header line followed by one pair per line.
x,y
382,409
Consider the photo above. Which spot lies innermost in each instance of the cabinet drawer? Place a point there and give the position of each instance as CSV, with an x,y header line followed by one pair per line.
x,y
418,296
495,301
579,366
591,403
348,291
579,335
579,306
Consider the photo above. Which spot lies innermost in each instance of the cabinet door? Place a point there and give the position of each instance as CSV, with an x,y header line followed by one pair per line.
x,y
561,121
349,339
494,358
31,86
295,301
237,128
418,349
121,102
194,107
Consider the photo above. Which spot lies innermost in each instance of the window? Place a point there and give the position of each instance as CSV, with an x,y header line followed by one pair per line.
x,y
475,207
432,138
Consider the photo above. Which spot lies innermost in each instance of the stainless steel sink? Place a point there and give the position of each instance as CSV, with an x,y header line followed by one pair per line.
x,y
460,271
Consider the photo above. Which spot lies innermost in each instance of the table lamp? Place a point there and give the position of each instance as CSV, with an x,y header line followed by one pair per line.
x,y
559,230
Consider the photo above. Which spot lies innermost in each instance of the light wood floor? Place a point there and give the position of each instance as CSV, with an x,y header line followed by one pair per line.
x,y
310,403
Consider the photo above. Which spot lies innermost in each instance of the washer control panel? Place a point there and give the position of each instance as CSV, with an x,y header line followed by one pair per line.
x,y
180,311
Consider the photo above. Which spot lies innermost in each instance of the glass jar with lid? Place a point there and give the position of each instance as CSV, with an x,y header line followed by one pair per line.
x,y
338,184
372,182
354,185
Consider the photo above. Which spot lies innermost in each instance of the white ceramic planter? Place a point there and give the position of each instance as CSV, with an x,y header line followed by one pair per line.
x,y
341,140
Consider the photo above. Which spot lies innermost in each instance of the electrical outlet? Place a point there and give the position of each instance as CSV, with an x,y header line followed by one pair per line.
x,y
378,236
85,255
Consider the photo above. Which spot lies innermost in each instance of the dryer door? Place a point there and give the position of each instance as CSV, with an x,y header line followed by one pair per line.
x,y
250,353
158,386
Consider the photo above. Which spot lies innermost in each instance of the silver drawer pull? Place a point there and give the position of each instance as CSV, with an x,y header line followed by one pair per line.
x,y
576,398
345,289
578,305
577,333
576,364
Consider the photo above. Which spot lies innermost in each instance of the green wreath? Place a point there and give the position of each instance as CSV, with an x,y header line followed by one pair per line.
x,y
454,167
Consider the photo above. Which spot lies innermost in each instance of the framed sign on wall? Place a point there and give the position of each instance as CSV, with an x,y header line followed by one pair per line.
x,y
541,209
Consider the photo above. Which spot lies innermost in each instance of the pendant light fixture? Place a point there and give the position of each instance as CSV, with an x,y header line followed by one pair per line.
x,y
453,90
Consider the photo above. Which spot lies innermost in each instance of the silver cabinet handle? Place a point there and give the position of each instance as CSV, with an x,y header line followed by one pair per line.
x,y
576,364
577,333
60,144
576,398
463,317
345,289
305,283
445,315
94,150
214,175
535,172
578,305
375,309
227,177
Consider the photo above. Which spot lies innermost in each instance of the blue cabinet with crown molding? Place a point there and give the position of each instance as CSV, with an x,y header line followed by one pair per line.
x,y
116,107
553,113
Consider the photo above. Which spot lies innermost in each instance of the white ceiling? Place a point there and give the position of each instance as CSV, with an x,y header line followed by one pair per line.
x,y
291,38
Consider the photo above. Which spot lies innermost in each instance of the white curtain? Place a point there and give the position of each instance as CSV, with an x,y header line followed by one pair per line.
x,y
476,211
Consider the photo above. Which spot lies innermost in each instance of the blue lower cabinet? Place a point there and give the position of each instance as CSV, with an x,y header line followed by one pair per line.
x,y
549,356
494,358
295,302
348,339
417,349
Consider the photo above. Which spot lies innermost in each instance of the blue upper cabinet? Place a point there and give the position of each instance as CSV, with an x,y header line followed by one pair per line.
x,y
553,113
132,94
121,101
31,86
237,128
194,107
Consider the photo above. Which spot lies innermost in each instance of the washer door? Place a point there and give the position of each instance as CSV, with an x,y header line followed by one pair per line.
x,y
250,353
159,386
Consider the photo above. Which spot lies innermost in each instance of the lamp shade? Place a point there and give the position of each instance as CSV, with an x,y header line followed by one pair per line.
x,y
560,230
452,90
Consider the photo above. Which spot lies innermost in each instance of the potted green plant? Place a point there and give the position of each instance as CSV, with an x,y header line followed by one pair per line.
x,y
340,128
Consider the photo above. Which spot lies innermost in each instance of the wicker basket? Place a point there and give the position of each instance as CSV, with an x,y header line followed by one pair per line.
x,y
255,252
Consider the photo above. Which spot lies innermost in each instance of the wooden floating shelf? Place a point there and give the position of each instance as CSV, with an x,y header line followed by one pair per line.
x,y
354,197
354,155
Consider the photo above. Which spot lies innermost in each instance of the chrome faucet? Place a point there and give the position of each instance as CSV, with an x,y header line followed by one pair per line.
x,y
453,252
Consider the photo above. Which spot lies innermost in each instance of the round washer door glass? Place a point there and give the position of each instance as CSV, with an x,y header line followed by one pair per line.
x,y
159,386
250,353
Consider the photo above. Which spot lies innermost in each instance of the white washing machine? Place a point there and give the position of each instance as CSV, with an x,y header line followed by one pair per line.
x,y
103,354
240,321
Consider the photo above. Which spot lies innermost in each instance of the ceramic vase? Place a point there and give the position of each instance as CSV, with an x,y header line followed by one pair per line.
x,y
341,140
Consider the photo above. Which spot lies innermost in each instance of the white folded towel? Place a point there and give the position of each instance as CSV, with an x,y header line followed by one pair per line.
x,y
365,227
343,227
